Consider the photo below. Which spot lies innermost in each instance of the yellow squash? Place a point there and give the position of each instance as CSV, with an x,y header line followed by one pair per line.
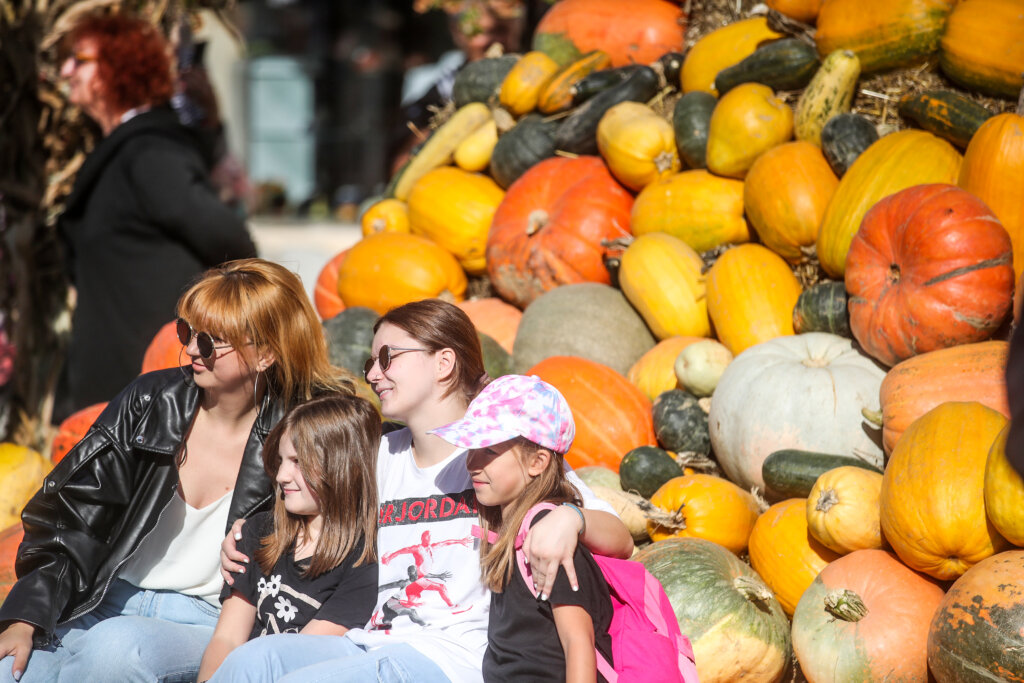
x,y
474,153
842,509
1004,493
748,121
524,82
637,144
387,215
722,48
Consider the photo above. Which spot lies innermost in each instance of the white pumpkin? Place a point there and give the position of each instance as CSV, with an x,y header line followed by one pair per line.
x,y
804,392
700,365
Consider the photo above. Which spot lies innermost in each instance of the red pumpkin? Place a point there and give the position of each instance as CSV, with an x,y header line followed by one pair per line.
x,y
164,351
326,299
865,618
10,539
72,429
548,229
638,31
612,416
931,267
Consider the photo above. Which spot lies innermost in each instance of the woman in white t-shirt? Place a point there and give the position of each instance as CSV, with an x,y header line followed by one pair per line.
x,y
430,622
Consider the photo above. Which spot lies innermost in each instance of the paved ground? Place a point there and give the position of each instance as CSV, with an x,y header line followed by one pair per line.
x,y
304,246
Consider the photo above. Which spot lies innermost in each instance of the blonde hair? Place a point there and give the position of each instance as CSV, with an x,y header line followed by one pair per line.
x,y
262,303
498,559
336,440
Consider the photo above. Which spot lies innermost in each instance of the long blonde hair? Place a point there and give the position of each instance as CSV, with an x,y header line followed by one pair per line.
x,y
498,560
257,301
336,439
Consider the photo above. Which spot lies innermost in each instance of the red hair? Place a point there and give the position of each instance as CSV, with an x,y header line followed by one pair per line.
x,y
133,60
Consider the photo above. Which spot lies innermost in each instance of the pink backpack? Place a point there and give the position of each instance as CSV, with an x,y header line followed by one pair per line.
x,y
647,644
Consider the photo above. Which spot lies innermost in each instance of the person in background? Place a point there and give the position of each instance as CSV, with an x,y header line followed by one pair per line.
x,y
118,573
142,220
1015,396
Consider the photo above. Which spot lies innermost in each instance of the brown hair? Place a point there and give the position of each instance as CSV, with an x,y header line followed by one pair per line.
x,y
336,439
252,300
498,560
440,325
133,59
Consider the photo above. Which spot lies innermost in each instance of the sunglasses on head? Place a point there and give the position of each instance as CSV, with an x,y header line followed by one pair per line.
x,y
384,357
204,341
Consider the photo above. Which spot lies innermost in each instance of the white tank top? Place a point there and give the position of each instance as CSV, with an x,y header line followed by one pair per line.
x,y
182,553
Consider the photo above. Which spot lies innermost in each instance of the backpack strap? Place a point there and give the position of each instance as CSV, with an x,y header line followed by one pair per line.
x,y
603,667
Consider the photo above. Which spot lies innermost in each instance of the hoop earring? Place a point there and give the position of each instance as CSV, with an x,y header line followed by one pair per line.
x,y
189,381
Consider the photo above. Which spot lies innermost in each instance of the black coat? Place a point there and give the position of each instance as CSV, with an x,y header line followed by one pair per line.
x,y
141,223
106,495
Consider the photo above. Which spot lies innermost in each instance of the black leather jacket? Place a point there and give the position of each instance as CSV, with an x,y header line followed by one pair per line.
x,y
107,494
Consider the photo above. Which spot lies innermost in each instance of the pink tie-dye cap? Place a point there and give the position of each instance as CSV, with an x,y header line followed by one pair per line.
x,y
511,406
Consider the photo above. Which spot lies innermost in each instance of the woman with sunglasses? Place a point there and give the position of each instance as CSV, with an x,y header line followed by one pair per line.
x,y
430,622
118,575
143,220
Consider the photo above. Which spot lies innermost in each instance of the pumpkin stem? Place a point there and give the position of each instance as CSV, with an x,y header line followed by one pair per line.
x,y
663,162
894,274
697,461
705,404
872,416
537,219
814,362
752,589
762,502
845,604
780,23
826,500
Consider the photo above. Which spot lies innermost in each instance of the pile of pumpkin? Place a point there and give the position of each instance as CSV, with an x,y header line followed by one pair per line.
x,y
647,224
807,466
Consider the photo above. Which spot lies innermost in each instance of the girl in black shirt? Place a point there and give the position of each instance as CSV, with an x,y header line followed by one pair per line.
x,y
316,562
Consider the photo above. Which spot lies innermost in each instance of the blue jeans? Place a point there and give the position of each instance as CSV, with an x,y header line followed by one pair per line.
x,y
133,636
298,658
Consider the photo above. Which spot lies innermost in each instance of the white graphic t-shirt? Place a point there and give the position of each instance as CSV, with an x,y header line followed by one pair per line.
x,y
429,590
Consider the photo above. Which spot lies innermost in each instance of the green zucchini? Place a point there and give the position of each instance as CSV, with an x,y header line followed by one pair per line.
x,y
691,121
646,468
599,81
786,64
945,113
578,132
830,92
791,473
479,81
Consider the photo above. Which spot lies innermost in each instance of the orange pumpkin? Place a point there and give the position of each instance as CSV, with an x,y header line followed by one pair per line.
x,y
785,554
751,294
387,215
865,618
164,351
982,49
785,195
612,416
10,539
392,268
639,32
72,429
655,372
977,633
969,372
801,10
993,171
932,502
1004,492
326,299
548,229
706,507
929,268
495,318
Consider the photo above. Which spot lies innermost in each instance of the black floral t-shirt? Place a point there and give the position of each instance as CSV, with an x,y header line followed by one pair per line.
x,y
286,600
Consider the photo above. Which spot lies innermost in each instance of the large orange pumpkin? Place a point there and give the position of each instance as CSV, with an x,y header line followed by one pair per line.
x,y
72,429
993,171
933,501
326,299
982,49
10,539
706,507
495,318
612,416
164,351
969,372
751,295
865,618
548,229
388,269
930,267
785,554
636,32
977,633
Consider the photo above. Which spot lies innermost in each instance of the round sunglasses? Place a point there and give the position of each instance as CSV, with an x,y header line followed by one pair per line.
x,y
384,358
204,341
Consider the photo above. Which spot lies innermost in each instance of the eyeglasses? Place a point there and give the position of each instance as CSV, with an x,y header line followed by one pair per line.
x,y
204,341
384,357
